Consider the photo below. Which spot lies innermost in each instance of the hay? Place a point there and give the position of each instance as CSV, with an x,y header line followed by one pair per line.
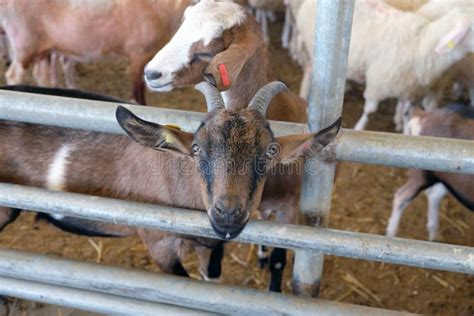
x,y
461,228
355,172
98,247
365,220
343,296
442,282
361,289
195,276
396,279
239,261
250,253
137,248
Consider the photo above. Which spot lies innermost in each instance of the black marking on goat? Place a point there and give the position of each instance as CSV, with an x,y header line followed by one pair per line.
x,y
71,93
214,268
200,126
277,265
258,168
255,177
13,216
267,127
204,166
178,269
461,109
200,56
462,199
75,226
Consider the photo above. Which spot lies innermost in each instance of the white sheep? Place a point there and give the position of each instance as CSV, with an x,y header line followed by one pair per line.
x,y
301,45
289,33
398,54
264,11
406,5
463,71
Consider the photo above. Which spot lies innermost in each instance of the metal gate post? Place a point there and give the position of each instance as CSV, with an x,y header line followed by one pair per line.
x,y
331,47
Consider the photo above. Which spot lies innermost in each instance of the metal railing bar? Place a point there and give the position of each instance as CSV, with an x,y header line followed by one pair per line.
x,y
386,149
88,300
329,241
99,115
169,289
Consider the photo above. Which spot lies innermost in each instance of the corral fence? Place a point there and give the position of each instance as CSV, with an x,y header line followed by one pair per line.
x,y
115,290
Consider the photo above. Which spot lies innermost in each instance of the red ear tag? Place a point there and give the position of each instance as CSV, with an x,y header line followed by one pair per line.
x,y
224,75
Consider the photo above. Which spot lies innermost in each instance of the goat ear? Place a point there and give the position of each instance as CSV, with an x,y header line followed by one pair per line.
x,y
226,66
454,37
154,135
306,145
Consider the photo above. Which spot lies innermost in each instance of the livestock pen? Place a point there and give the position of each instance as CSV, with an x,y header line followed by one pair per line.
x,y
103,289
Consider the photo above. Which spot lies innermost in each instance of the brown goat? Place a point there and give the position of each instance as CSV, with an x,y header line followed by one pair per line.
x,y
215,34
455,121
228,158
223,44
85,30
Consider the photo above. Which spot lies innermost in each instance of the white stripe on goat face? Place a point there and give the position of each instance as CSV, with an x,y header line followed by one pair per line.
x,y
204,22
56,178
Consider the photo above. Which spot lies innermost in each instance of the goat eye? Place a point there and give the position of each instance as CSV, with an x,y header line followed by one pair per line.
x,y
273,150
200,56
196,149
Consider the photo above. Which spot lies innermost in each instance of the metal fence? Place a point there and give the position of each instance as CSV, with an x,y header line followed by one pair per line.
x,y
124,291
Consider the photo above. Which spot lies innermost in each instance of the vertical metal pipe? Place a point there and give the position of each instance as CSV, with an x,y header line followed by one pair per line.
x,y
331,47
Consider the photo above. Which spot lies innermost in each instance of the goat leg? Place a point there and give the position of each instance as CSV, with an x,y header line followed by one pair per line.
x,y
370,106
262,256
277,266
7,216
166,250
417,181
434,194
210,262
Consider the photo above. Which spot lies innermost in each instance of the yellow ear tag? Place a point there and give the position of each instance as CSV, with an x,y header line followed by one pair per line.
x,y
173,126
168,136
450,44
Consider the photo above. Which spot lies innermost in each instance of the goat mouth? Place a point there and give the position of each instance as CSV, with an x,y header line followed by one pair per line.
x,y
226,233
161,87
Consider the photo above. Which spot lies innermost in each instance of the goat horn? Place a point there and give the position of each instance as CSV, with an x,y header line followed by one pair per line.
x,y
213,97
262,98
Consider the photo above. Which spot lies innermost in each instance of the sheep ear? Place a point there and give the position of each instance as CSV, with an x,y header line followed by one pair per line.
x,y
154,135
306,145
226,66
454,37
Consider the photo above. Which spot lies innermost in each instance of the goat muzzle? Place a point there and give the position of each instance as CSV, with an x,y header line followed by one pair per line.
x,y
228,220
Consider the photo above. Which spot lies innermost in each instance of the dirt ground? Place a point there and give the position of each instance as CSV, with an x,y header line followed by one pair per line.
x,y
361,202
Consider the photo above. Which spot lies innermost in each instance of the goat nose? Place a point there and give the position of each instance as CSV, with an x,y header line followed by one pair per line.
x,y
227,210
153,75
